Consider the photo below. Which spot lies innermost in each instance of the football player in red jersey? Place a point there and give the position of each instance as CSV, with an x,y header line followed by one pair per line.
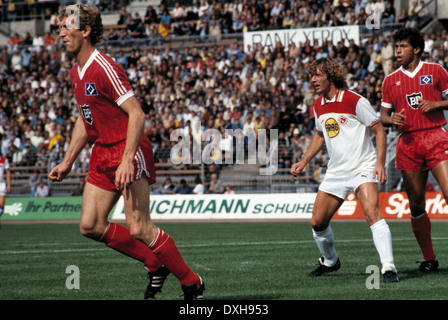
x,y
412,100
122,161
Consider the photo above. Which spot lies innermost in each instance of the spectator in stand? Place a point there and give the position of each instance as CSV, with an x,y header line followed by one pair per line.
x,y
48,41
229,190
123,15
54,22
178,13
38,42
199,187
79,188
15,41
42,190
33,183
165,19
150,16
216,185
166,188
162,154
182,188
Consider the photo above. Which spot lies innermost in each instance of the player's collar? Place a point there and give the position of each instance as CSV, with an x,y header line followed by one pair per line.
x,y
337,97
88,63
413,73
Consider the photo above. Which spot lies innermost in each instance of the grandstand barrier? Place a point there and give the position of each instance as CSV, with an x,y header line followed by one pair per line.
x,y
223,207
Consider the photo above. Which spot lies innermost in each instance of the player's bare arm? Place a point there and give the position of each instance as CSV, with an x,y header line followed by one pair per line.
x,y
428,106
8,180
389,118
316,145
79,140
380,137
125,172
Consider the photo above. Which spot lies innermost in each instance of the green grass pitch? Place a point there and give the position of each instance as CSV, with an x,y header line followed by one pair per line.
x,y
238,261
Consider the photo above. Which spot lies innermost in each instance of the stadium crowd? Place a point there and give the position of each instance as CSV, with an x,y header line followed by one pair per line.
x,y
220,86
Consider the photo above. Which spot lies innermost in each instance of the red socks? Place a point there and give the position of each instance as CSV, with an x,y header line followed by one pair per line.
x,y
421,226
166,251
161,250
118,238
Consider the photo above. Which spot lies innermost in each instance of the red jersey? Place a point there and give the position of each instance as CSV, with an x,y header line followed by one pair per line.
x,y
100,88
403,90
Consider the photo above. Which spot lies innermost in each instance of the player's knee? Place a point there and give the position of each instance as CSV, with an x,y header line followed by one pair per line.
x,y
90,231
141,233
137,232
373,215
417,209
318,224
145,232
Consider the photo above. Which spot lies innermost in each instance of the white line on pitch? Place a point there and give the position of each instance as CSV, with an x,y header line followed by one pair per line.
x,y
50,251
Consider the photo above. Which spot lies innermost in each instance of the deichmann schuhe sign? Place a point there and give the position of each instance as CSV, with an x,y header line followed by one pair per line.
x,y
275,206
294,206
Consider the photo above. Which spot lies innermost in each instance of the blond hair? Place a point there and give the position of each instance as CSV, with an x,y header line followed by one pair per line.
x,y
335,72
86,15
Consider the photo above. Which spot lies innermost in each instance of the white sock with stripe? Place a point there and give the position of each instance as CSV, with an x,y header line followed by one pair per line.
x,y
325,242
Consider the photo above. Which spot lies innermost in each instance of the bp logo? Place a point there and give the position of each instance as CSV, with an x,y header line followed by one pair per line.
x,y
332,127
414,99
87,113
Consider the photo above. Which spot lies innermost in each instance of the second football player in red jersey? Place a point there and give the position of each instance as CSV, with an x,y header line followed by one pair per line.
x,y
412,100
122,161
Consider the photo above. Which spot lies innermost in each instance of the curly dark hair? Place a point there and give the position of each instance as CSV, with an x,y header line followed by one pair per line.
x,y
89,15
335,72
411,35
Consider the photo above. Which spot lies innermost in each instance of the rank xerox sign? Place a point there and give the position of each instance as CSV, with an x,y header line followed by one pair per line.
x,y
268,39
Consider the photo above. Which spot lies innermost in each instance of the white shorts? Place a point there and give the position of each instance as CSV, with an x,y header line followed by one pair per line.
x,y
2,188
342,186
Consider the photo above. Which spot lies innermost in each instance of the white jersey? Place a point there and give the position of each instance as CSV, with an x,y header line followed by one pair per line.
x,y
4,165
345,121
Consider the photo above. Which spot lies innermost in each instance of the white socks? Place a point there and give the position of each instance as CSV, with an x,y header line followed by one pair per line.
x,y
325,242
383,243
381,238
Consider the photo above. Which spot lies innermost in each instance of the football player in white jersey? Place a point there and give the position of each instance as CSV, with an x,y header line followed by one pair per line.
x,y
5,182
344,121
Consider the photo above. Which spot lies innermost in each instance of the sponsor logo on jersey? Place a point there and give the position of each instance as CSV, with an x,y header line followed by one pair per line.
x,y
87,113
342,120
414,99
332,127
425,80
91,90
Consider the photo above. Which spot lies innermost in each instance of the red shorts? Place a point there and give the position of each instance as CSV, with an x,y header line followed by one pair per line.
x,y
421,150
105,160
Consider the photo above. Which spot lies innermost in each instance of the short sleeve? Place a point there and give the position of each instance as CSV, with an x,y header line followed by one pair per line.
x,y
442,80
366,113
316,120
113,82
386,100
